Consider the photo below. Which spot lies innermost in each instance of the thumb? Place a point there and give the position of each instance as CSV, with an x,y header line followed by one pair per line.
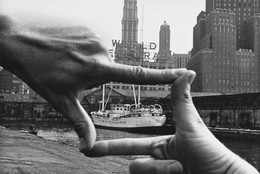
x,y
152,166
186,115
181,87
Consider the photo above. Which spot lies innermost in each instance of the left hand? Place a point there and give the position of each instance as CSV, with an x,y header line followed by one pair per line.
x,y
58,62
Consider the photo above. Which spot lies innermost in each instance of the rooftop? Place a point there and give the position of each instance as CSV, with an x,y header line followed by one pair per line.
x,y
21,98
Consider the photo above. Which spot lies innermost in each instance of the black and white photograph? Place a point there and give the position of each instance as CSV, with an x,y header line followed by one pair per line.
x,y
129,86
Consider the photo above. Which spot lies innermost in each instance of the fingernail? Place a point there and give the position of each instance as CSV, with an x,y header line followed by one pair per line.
x,y
175,168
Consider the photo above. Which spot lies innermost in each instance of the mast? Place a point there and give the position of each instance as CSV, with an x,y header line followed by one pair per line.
x,y
142,35
134,94
139,95
103,98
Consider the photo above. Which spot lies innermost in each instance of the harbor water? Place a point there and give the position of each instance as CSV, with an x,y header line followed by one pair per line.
x,y
248,150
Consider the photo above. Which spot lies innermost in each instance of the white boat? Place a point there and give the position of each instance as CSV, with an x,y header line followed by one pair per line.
x,y
128,116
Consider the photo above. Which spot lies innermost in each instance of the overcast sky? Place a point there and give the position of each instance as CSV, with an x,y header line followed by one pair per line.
x,y
104,17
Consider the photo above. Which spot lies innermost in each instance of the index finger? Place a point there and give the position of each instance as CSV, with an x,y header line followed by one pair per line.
x,y
126,146
140,75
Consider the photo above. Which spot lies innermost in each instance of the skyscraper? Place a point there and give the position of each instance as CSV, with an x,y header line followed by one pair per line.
x,y
131,52
243,10
225,52
130,21
164,39
129,49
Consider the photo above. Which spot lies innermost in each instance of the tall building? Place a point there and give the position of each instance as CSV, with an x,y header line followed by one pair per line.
x,y
129,48
225,52
131,52
164,39
243,10
130,21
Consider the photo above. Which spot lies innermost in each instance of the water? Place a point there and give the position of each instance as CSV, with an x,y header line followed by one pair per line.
x,y
248,150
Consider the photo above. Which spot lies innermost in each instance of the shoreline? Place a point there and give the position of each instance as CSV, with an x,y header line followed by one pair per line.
x,y
238,134
233,133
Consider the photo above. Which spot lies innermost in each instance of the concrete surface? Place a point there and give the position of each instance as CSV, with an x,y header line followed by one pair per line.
x,y
21,152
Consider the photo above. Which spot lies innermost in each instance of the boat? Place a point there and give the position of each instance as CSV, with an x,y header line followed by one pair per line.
x,y
129,116
125,116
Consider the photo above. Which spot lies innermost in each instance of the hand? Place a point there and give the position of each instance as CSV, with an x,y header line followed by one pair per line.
x,y
58,62
193,149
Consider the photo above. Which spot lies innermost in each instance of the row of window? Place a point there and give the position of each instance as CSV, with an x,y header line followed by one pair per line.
x,y
127,86
244,83
239,1
150,88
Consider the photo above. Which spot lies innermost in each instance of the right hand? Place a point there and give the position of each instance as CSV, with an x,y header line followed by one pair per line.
x,y
193,149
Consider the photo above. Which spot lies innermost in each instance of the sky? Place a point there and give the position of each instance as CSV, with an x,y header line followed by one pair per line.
x,y
104,17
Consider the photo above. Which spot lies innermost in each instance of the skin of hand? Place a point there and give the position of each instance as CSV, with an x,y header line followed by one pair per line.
x,y
58,62
193,149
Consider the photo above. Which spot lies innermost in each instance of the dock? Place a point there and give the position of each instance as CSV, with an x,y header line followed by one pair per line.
x,y
234,133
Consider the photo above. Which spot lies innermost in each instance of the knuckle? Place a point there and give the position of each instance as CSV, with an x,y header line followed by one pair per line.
x,y
158,144
158,149
187,96
138,72
85,147
182,96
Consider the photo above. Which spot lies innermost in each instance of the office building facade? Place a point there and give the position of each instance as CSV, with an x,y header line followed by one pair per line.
x,y
225,54
243,9
181,60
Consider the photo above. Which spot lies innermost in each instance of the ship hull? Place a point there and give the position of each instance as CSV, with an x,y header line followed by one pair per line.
x,y
129,122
